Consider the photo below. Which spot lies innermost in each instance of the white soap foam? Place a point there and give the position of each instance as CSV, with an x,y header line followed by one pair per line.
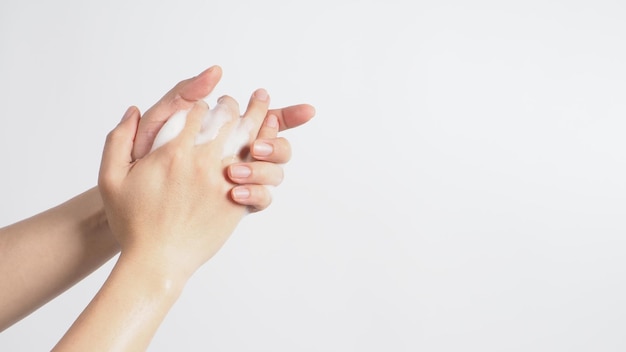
x,y
212,122
170,129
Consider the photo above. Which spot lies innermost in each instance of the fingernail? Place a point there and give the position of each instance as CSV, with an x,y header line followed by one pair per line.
x,y
240,171
262,149
129,112
241,193
261,94
272,121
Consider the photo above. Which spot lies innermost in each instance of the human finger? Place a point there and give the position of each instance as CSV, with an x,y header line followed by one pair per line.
x,y
225,128
274,150
269,129
293,116
257,109
256,197
193,124
181,97
257,172
230,103
116,155
198,87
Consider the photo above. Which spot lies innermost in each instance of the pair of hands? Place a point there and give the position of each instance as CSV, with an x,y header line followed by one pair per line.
x,y
175,206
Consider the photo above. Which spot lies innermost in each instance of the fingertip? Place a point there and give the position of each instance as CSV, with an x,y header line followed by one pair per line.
x,y
239,172
308,112
127,114
255,197
240,194
274,150
262,149
261,95
202,85
211,75
312,110
295,115
130,113
215,69
229,102
119,143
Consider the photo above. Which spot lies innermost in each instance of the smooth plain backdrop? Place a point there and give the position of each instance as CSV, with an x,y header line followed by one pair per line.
x,y
461,188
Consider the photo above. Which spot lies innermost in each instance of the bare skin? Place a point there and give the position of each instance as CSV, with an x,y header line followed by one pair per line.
x,y
166,231
46,254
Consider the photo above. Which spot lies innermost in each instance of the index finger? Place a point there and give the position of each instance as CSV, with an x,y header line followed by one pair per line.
x,y
293,116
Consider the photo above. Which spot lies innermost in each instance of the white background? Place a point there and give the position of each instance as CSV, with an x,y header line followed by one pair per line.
x,y
461,188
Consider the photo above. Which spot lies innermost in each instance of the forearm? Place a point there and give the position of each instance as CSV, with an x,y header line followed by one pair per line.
x,y
127,311
46,254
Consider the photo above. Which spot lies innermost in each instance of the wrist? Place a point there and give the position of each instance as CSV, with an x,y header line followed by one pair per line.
x,y
160,272
90,205
127,310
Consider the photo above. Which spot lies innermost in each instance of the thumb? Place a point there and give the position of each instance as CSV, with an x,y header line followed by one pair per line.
x,y
116,156
181,97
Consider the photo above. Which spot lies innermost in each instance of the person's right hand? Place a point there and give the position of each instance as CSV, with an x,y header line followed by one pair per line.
x,y
171,208
268,151
170,212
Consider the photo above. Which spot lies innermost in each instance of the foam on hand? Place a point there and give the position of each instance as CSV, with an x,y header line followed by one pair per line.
x,y
172,128
212,122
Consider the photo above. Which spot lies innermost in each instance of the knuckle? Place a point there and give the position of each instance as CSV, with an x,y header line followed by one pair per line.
x,y
113,136
280,176
175,155
267,198
105,182
229,102
285,148
260,198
